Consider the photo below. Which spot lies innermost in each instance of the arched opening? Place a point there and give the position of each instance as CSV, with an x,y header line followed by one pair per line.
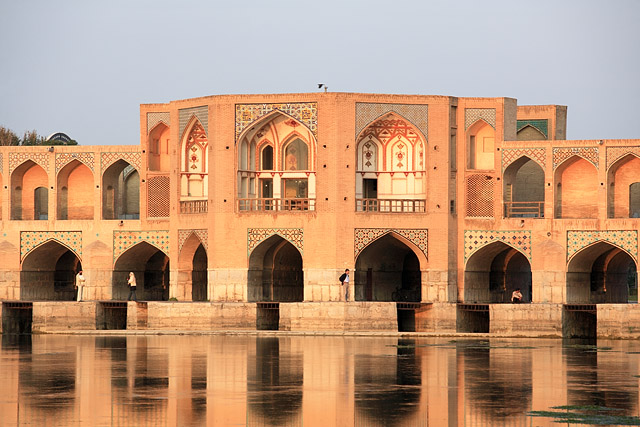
x,y
388,270
48,273
75,198
295,155
25,179
275,272
192,270
151,268
576,189
194,168
159,159
199,275
530,133
267,158
623,198
480,143
523,189
121,192
601,273
494,272
388,145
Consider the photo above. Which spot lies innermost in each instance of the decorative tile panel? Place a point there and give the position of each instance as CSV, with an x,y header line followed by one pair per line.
x,y
417,114
540,125
123,240
16,159
201,234
510,155
305,112
107,159
62,159
364,236
154,118
201,113
588,153
624,239
255,236
158,196
29,240
477,239
472,115
616,153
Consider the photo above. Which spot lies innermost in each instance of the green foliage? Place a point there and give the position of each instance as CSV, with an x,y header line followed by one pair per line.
x,y
8,137
30,138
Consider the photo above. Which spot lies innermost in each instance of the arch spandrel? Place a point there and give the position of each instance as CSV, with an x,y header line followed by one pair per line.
x,y
511,155
17,159
473,115
476,239
418,238
304,112
30,240
626,240
590,154
107,159
124,240
63,159
614,154
155,118
255,236
368,113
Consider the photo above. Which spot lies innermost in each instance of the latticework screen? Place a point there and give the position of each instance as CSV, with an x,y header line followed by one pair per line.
x,y
479,196
158,196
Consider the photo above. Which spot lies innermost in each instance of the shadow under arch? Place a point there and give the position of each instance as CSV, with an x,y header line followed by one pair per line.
x,y
523,190
75,191
601,273
29,192
275,272
150,266
494,271
192,269
389,269
48,273
623,183
120,191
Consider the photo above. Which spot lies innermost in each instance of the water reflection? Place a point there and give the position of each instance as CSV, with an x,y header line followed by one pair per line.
x,y
248,380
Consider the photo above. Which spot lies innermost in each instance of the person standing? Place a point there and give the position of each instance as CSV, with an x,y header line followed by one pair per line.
x,y
132,287
344,281
79,285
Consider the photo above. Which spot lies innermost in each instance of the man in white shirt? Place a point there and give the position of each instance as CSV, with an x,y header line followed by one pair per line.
x,y
80,284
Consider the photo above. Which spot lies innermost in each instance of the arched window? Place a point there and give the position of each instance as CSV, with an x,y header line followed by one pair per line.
x,y
295,156
267,158
40,203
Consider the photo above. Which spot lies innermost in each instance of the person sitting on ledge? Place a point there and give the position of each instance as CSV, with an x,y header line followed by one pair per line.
x,y
516,296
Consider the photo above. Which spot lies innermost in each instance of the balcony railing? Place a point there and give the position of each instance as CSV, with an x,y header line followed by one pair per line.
x,y
524,209
390,205
193,206
294,205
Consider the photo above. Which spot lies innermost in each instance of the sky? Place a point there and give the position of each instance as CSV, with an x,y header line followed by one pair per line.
x,y
84,67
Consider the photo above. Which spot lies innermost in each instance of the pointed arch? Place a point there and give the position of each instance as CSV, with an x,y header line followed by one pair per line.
x,y
523,188
391,115
623,182
25,180
121,191
401,236
24,255
194,163
275,271
150,265
77,201
158,147
296,153
576,188
48,271
188,249
481,145
530,133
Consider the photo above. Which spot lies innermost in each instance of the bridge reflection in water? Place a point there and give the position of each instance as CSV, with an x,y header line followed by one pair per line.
x,y
295,381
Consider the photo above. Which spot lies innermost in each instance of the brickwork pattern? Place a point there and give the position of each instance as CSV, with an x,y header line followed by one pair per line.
x,y
29,240
588,153
107,159
416,114
159,196
124,240
201,234
201,113
63,159
154,118
305,112
477,239
510,155
1,163
616,153
255,236
364,236
542,125
16,159
479,197
472,115
624,239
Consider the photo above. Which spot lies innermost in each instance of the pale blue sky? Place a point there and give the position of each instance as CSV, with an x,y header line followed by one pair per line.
x,y
83,67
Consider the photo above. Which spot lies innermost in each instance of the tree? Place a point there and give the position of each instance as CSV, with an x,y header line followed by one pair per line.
x,y
8,137
32,138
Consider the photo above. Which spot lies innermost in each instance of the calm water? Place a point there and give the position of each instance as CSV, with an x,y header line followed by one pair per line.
x,y
295,381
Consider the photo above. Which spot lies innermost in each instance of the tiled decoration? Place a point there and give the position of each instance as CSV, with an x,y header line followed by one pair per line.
x,y
203,235
158,196
201,113
16,159
29,240
364,236
472,115
123,240
416,114
510,155
154,118
588,153
63,159
477,239
540,125
479,196
624,239
107,159
255,236
305,112
616,153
